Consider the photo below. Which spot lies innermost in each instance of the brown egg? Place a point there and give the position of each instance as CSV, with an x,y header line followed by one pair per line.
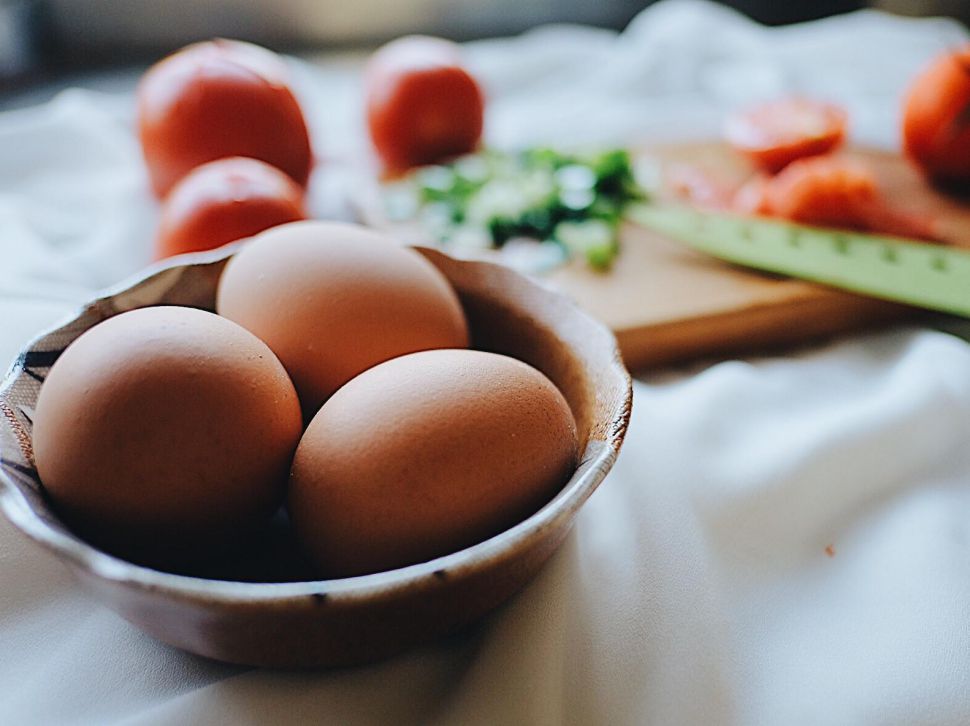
x,y
165,428
424,455
332,300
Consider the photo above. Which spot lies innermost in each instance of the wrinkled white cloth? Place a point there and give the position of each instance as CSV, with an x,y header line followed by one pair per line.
x,y
783,540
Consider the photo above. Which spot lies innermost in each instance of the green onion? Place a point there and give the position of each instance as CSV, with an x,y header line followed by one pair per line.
x,y
574,200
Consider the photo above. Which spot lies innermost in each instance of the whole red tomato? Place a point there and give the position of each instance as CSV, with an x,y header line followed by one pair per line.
x,y
217,99
226,200
936,118
422,104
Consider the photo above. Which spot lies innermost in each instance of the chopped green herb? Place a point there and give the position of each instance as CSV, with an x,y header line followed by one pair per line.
x,y
573,200
594,239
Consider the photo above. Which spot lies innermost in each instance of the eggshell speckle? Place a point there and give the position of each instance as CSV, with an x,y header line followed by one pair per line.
x,y
165,428
426,454
332,300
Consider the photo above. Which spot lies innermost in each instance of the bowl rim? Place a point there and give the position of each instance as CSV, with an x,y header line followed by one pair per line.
x,y
598,458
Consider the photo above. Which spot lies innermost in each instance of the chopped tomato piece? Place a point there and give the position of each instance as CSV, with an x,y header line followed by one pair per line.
x,y
829,191
698,186
752,197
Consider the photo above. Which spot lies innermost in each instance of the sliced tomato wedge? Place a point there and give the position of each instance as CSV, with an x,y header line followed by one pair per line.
x,y
830,191
773,135
827,191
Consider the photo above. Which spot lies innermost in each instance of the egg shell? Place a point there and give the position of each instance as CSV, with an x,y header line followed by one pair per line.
x,y
164,429
424,455
332,300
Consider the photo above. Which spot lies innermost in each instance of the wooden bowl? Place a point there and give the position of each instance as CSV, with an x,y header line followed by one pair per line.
x,y
265,612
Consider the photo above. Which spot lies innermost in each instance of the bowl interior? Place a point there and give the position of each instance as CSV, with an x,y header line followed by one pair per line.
x,y
506,312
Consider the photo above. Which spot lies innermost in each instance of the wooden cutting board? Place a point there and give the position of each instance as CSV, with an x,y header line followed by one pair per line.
x,y
667,304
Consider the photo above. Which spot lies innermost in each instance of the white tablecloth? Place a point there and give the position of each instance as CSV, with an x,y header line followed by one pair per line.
x,y
783,540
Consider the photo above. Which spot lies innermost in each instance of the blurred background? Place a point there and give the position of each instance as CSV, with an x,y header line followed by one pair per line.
x,y
48,44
